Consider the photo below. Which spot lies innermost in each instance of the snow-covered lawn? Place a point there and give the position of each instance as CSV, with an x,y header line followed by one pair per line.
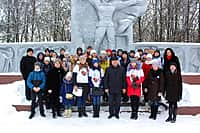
x,y
10,120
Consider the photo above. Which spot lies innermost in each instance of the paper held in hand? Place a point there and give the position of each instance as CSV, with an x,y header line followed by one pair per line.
x,y
79,92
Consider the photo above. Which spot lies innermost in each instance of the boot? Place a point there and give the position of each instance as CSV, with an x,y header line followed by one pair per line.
x,y
174,112
69,113
170,115
152,109
98,110
32,115
155,110
58,113
42,114
134,115
65,113
80,112
94,111
84,112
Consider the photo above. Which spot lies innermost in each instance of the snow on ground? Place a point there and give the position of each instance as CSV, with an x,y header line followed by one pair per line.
x,y
10,120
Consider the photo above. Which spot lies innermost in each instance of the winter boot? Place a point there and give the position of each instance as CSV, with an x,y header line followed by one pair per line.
x,y
32,115
134,115
42,114
69,113
155,110
65,113
80,112
170,115
174,113
94,111
58,113
84,112
98,110
152,110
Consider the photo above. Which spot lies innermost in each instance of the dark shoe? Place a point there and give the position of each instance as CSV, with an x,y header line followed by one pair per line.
x,y
80,113
173,120
32,115
54,116
43,115
110,116
168,119
59,115
84,112
151,116
117,116
134,116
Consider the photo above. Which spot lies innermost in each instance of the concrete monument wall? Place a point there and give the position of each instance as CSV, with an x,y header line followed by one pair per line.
x,y
10,54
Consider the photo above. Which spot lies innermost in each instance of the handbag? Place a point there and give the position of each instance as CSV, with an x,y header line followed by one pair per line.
x,y
69,96
96,91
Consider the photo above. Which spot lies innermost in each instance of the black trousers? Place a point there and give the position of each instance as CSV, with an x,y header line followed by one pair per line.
x,y
135,101
54,103
114,103
34,96
27,91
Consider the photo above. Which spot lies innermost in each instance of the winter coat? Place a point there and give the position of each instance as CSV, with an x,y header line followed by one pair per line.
x,y
154,83
47,68
104,64
167,62
66,87
80,75
136,88
115,79
173,88
54,81
146,68
124,64
36,76
96,74
27,65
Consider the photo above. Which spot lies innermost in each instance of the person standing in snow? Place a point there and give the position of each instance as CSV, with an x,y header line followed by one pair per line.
x,y
134,79
80,80
66,93
54,81
114,82
173,90
154,86
36,82
27,66
96,83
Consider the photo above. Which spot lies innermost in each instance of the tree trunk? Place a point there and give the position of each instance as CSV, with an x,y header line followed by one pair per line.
x,y
33,20
187,22
139,29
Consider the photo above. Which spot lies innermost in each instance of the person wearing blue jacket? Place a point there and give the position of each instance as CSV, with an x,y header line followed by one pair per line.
x,y
96,82
36,82
66,93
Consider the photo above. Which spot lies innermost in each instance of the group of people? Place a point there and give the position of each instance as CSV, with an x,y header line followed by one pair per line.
x,y
113,76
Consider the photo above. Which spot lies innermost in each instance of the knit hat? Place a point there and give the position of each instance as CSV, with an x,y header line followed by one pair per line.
x,y
108,50
137,54
155,62
93,52
46,58
29,50
149,56
37,64
103,52
69,74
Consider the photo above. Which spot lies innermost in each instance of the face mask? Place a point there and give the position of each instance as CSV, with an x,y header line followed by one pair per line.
x,y
37,70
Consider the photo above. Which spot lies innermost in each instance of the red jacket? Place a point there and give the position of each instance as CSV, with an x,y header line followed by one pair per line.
x,y
146,68
134,91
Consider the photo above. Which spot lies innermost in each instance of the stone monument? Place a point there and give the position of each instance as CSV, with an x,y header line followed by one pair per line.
x,y
105,23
